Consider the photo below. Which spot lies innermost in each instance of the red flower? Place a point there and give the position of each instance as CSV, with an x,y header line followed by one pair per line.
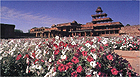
x,y
88,76
18,57
33,54
36,60
114,71
58,62
42,60
55,45
65,45
26,56
105,44
109,57
130,66
130,48
84,53
129,74
99,64
61,43
73,74
66,67
69,64
79,69
89,59
61,67
93,50
56,52
75,60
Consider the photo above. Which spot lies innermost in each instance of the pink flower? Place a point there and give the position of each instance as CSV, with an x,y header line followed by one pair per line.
x,y
33,54
75,60
56,52
79,69
18,57
114,71
130,66
84,53
74,74
88,76
69,64
61,67
93,50
89,59
109,57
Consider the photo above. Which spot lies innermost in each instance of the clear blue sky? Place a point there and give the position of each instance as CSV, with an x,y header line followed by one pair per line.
x,y
28,14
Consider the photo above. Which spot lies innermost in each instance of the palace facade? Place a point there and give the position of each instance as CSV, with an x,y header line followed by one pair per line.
x,y
101,25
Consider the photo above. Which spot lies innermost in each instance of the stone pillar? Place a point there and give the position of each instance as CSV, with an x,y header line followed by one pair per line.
x,y
91,33
52,34
49,35
44,34
85,34
36,35
75,33
72,34
80,34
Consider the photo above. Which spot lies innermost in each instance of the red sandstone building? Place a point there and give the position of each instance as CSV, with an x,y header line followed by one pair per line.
x,y
101,25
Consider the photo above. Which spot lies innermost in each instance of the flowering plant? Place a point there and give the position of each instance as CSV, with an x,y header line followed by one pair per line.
x,y
67,56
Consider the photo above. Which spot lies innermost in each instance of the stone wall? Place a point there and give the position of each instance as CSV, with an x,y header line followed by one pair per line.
x,y
130,30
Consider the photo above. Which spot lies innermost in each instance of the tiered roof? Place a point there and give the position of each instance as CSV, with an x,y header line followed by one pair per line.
x,y
102,17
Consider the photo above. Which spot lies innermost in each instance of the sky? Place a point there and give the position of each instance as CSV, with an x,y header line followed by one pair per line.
x,y
28,14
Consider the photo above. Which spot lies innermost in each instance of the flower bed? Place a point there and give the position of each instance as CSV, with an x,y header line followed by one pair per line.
x,y
68,56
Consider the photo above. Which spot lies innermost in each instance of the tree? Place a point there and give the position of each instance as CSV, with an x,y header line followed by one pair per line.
x,y
29,31
18,31
128,25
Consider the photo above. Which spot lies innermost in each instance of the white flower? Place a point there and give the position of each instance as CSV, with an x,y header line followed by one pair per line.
x,y
88,45
38,66
95,74
54,74
104,41
94,56
131,45
63,56
120,74
131,37
57,37
93,46
50,60
27,69
27,60
88,71
0,57
73,43
94,40
82,49
51,73
93,64
4,54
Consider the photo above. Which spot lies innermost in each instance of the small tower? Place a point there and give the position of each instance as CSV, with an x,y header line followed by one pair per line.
x,y
99,10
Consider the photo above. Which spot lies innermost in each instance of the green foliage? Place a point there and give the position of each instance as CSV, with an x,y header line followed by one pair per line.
x,y
128,25
18,31
11,67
